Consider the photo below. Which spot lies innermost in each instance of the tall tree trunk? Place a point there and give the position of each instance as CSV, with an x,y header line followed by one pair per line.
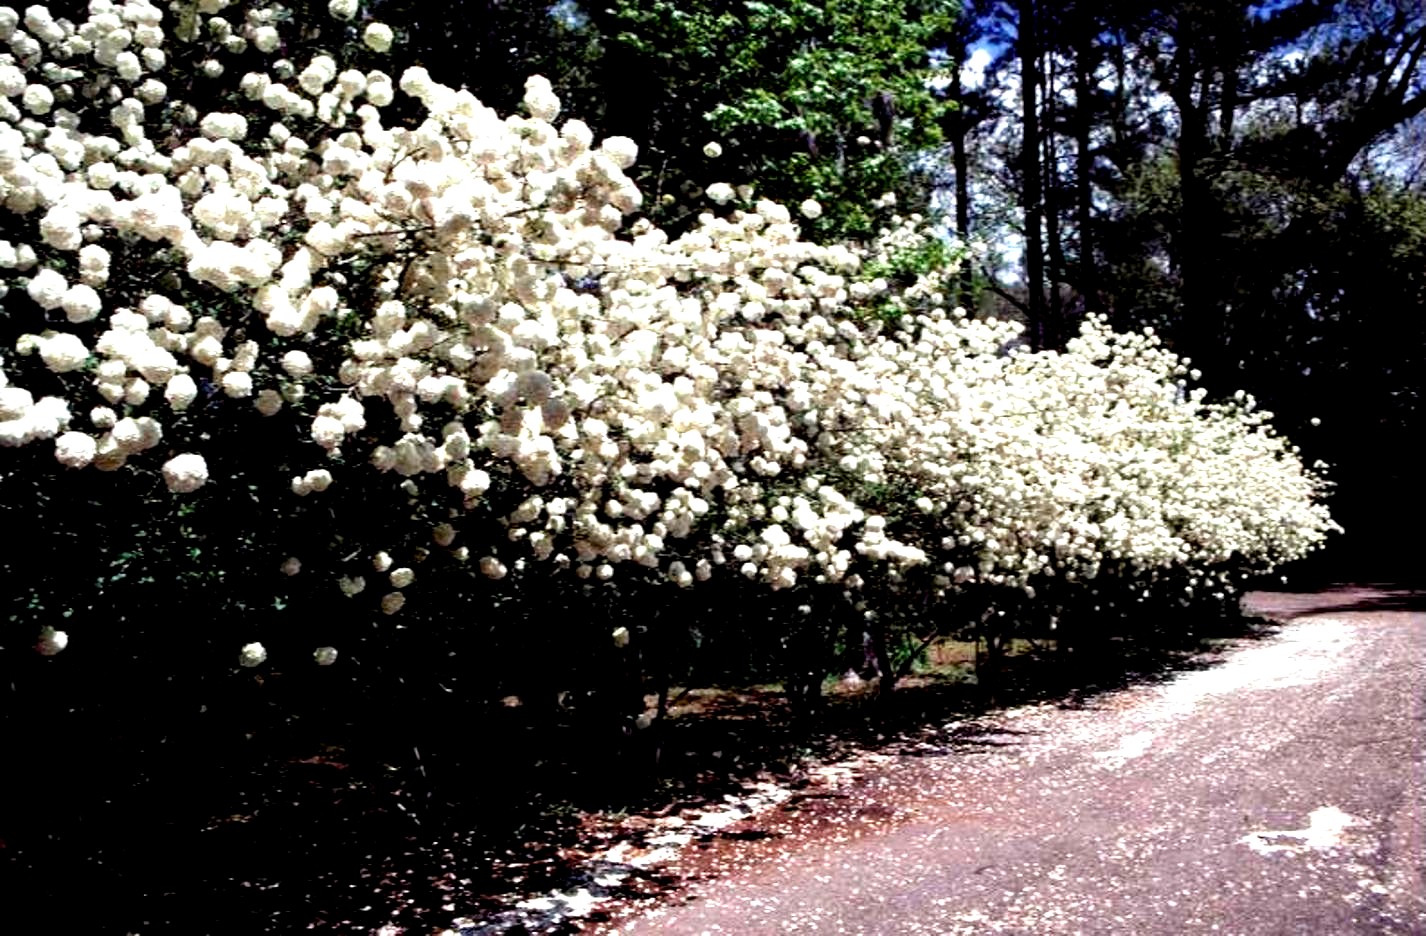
x,y
960,160
1228,94
1055,273
1192,234
1084,157
1118,155
1028,48
881,647
960,124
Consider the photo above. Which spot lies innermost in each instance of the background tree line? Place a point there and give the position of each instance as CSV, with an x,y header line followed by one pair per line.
x,y
1246,178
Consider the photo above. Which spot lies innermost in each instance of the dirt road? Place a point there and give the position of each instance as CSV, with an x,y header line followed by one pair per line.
x,y
1279,791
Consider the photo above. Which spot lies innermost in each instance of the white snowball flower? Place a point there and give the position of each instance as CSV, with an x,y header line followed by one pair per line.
x,y
237,384
15,403
63,352
102,417
43,421
540,98
811,209
224,126
12,79
266,38
378,37
443,534
253,654
351,585
51,641
380,93
81,303
291,565
318,479
128,435
297,363
136,391
392,602
720,193
343,9
185,473
474,483
75,449
180,392
59,228
93,265
713,149
622,150
37,99
328,432
47,288
317,75
152,91
325,656
402,577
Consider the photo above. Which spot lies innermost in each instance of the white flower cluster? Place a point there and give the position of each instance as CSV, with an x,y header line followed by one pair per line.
x,y
1058,464
732,396
24,419
253,654
186,473
51,641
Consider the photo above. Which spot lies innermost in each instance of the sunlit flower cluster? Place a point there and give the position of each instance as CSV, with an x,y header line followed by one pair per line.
x,y
735,397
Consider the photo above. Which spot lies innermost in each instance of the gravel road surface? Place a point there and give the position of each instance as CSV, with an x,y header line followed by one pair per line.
x,y
1278,791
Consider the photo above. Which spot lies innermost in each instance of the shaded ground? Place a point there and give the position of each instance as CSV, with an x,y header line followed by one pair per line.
x,y
272,826
1278,792
339,828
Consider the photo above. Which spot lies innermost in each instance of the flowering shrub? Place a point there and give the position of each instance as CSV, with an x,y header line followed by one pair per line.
x,y
453,310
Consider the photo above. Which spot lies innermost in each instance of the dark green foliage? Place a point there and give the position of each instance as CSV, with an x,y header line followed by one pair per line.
x,y
807,100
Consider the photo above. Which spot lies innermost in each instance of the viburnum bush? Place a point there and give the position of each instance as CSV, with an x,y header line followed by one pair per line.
x,y
353,293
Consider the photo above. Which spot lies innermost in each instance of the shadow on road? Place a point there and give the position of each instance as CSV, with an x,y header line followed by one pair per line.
x,y
1338,599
